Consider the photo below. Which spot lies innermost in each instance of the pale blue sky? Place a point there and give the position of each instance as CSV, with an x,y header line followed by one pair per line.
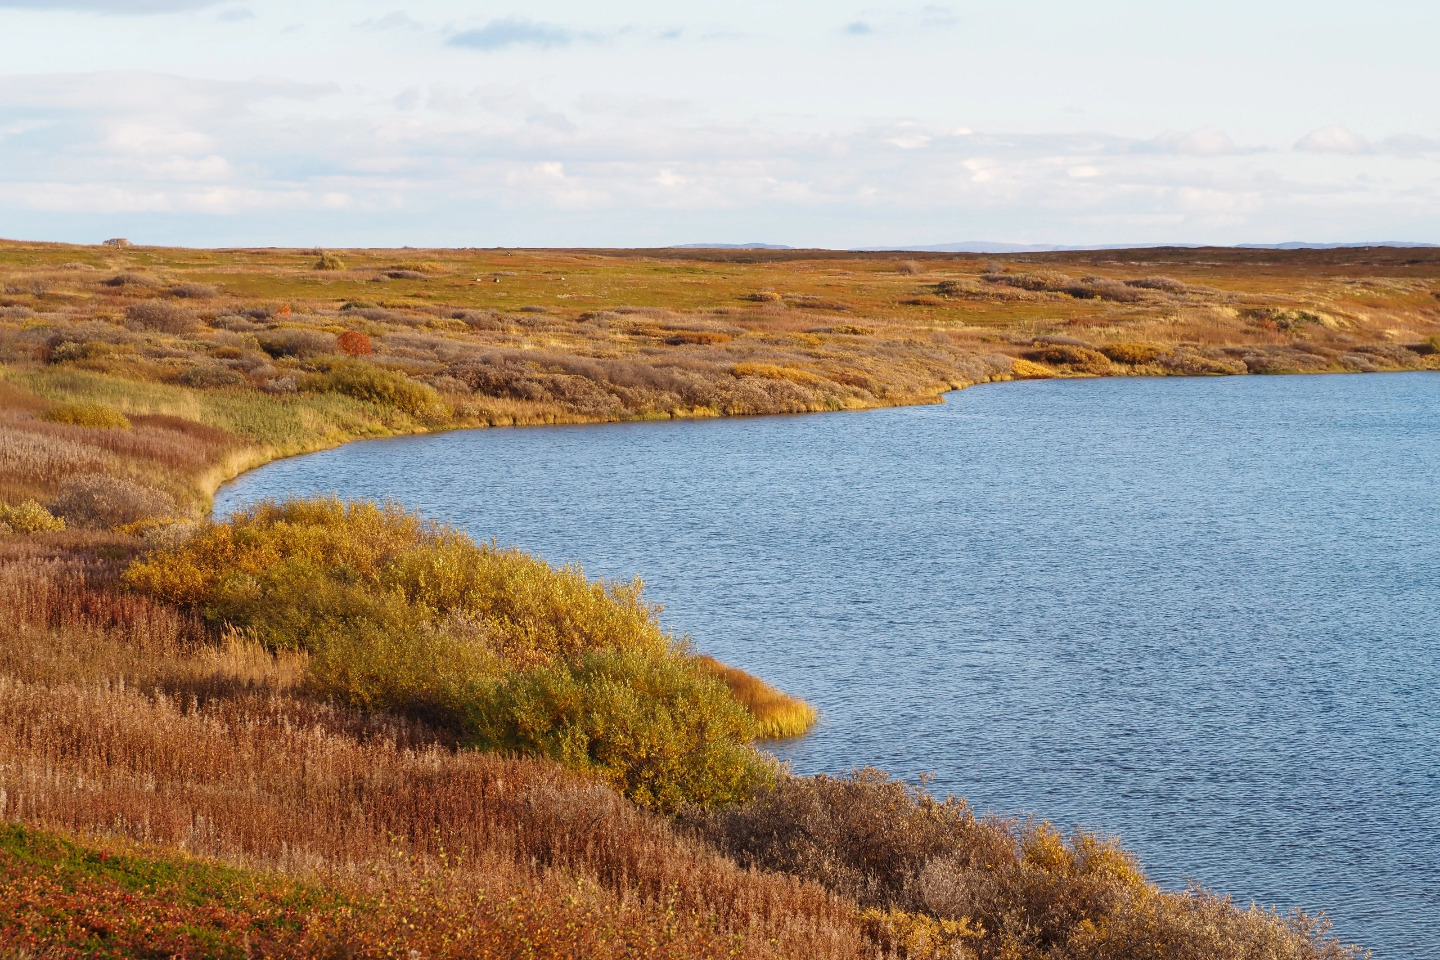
x,y
640,123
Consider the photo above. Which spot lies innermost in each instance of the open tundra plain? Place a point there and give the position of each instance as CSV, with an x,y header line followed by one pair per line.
x,y
321,729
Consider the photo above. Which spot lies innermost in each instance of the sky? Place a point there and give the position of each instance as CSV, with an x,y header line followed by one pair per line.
x,y
635,123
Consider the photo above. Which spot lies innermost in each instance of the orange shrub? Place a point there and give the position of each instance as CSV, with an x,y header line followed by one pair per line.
x,y
355,344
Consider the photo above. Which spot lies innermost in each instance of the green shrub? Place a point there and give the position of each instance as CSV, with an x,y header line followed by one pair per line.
x,y
328,261
365,381
86,415
28,517
656,728
508,652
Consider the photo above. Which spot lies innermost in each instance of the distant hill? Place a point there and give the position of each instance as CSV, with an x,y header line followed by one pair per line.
x,y
990,246
729,246
986,246
1300,245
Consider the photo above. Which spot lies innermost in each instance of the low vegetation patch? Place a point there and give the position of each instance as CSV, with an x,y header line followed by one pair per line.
x,y
397,615
86,415
365,381
28,516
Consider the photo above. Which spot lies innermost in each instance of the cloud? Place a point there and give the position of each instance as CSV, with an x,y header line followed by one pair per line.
x,y
394,20
112,6
1332,140
1204,142
513,32
1409,145
236,14
857,28
601,167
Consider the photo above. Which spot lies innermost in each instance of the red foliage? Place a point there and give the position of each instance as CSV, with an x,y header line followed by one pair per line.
x,y
355,343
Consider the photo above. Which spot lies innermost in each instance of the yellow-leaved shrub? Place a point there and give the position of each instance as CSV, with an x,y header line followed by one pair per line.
x,y
400,615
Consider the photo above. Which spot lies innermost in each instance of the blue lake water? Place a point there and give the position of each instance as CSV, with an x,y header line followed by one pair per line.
x,y
1199,614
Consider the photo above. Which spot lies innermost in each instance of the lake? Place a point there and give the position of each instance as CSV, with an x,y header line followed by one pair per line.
x,y
1199,614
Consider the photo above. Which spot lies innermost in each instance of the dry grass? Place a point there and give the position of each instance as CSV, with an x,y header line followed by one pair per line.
x,y
125,722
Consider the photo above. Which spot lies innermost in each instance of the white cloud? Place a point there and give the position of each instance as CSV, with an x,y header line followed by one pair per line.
x,y
1332,140
1204,142
509,156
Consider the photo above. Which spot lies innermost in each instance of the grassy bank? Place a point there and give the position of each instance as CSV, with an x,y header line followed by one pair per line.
x,y
323,728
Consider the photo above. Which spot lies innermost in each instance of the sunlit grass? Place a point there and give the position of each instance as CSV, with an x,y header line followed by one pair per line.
x,y
777,714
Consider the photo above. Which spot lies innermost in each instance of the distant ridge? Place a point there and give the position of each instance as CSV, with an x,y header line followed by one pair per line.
x,y
1300,245
729,246
985,246
989,246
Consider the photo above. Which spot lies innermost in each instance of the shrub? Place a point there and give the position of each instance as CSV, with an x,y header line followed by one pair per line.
x,y
656,728
770,371
86,415
297,343
777,715
1005,888
1165,284
212,377
28,517
328,261
99,501
1132,353
1026,370
131,280
677,338
160,317
193,291
510,653
365,381
63,348
353,343
1077,358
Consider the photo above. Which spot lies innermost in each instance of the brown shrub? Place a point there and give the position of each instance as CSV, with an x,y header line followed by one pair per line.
x,y
160,317
193,291
1164,284
302,344
99,501
1076,358
1008,888
212,377
132,280
1132,353
678,338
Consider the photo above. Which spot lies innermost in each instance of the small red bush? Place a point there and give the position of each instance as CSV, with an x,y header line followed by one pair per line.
x,y
355,343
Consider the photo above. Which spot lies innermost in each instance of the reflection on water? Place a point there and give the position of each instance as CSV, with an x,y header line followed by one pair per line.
x,y
1200,614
